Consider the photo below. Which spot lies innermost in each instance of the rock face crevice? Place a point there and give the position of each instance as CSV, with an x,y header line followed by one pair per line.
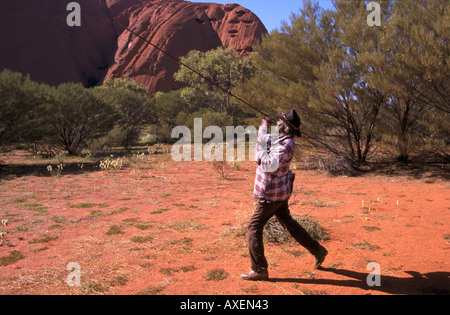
x,y
36,40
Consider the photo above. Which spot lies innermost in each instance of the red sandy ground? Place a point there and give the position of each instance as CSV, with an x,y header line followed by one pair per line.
x,y
404,225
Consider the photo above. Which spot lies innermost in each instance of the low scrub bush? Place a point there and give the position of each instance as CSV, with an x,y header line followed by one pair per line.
x,y
223,168
158,148
216,275
110,164
337,166
275,232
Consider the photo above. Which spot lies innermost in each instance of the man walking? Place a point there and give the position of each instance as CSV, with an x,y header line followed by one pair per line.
x,y
273,187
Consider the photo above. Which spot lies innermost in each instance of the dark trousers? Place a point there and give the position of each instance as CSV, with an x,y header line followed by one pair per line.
x,y
264,211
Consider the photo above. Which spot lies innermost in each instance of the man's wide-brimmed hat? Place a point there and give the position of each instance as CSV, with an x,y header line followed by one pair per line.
x,y
292,120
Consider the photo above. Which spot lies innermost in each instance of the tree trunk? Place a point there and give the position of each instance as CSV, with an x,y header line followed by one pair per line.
x,y
403,143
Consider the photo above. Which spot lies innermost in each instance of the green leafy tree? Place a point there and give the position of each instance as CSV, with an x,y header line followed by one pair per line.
x,y
77,115
223,67
313,65
171,110
352,105
354,84
419,34
134,108
21,102
411,67
125,84
288,59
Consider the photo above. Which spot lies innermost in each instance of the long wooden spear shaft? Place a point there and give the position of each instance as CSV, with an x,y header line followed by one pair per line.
x,y
203,76
197,72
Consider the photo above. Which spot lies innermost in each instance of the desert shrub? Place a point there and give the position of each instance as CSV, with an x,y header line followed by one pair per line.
x,y
216,275
210,118
223,168
21,105
171,111
150,291
222,66
275,232
13,257
57,171
133,106
78,115
142,239
337,166
115,229
110,164
312,226
118,281
158,148
46,151
114,138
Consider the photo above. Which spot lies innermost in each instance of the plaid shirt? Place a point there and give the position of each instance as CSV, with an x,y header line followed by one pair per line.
x,y
273,182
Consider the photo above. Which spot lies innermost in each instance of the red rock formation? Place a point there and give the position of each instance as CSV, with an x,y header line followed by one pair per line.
x,y
177,27
35,38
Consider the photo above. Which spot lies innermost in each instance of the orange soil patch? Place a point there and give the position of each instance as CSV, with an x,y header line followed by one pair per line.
x,y
177,222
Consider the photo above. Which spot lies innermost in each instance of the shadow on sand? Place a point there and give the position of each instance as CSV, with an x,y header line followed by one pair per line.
x,y
11,171
433,283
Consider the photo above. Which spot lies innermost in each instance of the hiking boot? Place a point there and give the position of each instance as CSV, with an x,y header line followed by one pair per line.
x,y
263,274
320,257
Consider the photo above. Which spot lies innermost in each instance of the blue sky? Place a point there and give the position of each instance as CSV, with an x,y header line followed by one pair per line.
x,y
272,12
